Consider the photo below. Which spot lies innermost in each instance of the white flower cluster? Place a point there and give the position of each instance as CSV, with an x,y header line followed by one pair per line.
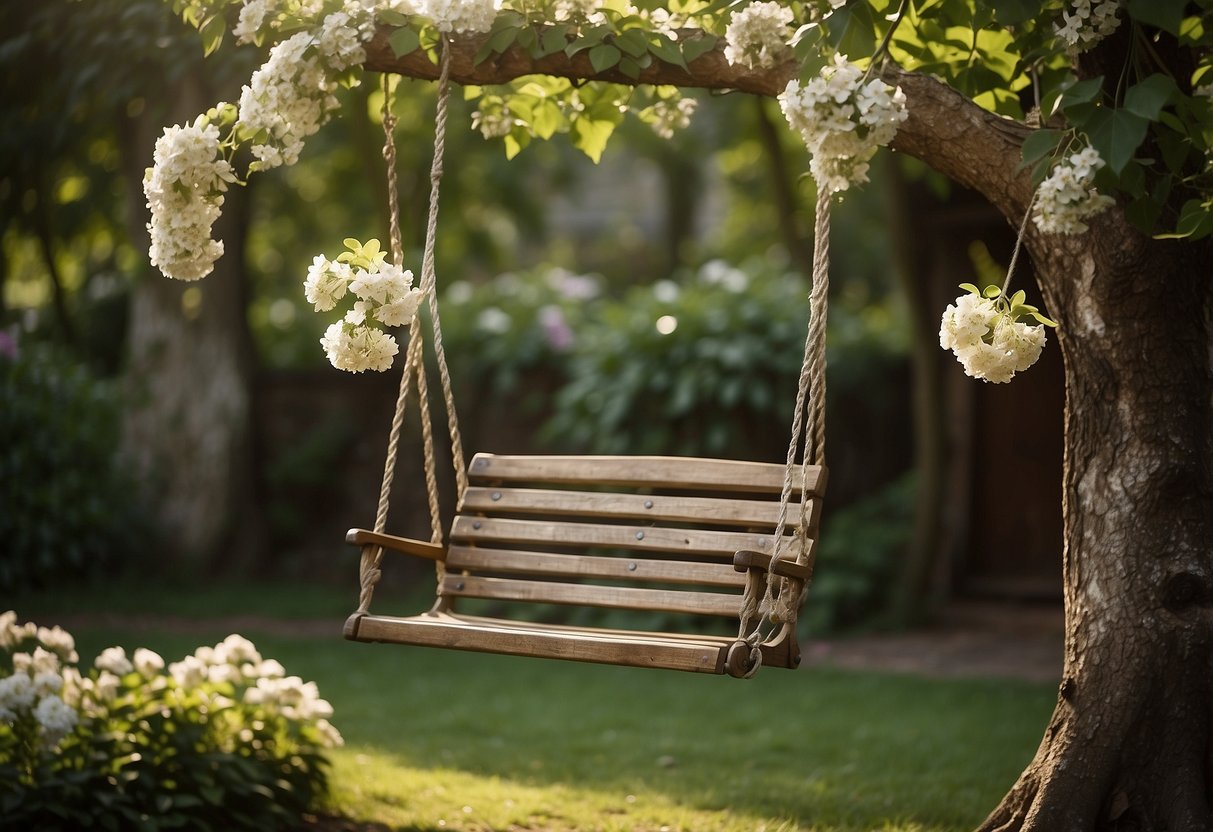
x,y
288,99
184,190
494,119
669,115
265,18
987,342
1087,22
35,688
465,16
1068,197
757,36
385,294
843,121
574,9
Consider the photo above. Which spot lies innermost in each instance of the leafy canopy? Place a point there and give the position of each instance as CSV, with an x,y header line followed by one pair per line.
x,y
1142,97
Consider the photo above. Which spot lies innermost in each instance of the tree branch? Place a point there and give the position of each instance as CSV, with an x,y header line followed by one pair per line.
x,y
709,71
945,129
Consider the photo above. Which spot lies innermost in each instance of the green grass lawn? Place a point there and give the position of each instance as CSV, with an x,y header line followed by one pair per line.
x,y
449,741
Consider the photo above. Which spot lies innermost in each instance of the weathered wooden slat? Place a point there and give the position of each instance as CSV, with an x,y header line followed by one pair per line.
x,y
504,561
627,598
687,473
708,511
706,656
698,542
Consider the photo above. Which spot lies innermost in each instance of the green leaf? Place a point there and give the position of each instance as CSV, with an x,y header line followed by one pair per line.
x,y
633,42
992,291
1044,320
604,56
668,51
1076,100
590,136
1019,297
696,46
528,40
589,39
629,67
404,42
1038,145
1195,221
970,288
1147,97
503,39
1165,14
1116,134
1011,12
392,17
554,39
212,34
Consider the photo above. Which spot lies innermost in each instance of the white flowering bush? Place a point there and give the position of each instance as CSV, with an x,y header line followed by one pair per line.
x,y
757,36
385,297
987,333
222,739
1068,197
843,119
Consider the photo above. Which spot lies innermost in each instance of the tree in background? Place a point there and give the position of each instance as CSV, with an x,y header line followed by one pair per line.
x,y
1091,118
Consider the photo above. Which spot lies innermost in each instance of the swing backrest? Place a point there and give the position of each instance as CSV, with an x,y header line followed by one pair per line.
x,y
635,533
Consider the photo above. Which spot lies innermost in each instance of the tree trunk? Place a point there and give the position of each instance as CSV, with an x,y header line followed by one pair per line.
x,y
187,429
1129,745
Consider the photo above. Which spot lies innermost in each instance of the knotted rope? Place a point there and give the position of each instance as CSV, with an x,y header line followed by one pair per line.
x,y
766,594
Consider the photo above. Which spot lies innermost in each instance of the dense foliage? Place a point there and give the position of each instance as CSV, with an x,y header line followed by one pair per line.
x,y
65,510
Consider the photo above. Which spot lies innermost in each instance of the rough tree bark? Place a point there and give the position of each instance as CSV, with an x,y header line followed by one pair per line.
x,y
1130,744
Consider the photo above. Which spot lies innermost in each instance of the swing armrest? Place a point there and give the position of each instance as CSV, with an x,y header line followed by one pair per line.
x,y
420,548
746,560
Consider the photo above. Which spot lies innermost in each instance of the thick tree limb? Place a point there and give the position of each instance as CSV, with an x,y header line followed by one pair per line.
x,y
945,129
709,71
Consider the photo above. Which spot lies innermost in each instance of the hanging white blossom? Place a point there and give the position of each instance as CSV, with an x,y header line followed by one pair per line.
x,y
1067,198
668,115
842,121
286,100
986,337
184,190
757,35
1087,22
385,295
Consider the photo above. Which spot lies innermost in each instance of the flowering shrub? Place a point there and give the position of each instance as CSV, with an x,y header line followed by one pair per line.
x,y
516,326
222,739
707,365
986,334
843,120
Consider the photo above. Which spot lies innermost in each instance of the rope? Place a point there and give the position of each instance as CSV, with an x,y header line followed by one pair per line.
x,y
429,280
771,594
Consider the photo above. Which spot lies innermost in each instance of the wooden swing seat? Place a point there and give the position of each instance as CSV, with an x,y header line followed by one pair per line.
x,y
670,535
